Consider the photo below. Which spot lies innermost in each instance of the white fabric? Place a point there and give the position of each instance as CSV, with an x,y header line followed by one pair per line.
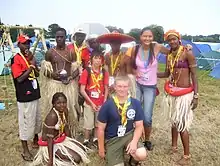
x,y
179,110
29,119
43,156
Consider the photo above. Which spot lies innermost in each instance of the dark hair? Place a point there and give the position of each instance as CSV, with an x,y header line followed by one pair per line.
x,y
57,95
61,29
96,53
151,55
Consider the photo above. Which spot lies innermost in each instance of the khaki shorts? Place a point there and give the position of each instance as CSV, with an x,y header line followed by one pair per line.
x,y
115,148
90,117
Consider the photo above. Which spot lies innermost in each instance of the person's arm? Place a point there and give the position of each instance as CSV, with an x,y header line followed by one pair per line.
x,y
50,122
67,130
83,83
138,130
106,83
166,73
193,67
17,71
101,138
102,122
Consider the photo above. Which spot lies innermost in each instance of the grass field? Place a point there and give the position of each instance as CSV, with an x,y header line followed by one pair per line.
x,y
204,134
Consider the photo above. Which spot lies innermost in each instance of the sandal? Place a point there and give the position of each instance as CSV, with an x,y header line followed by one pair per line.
x,y
27,158
174,149
133,162
35,146
185,160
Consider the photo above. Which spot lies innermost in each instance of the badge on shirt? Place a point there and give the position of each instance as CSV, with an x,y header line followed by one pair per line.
x,y
34,84
131,114
121,131
111,80
95,94
145,76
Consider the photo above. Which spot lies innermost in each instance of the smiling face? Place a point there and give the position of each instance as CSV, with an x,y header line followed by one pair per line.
x,y
146,37
173,41
60,104
122,87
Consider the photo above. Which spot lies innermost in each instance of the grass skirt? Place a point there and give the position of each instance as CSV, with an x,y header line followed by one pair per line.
x,y
178,110
42,156
49,87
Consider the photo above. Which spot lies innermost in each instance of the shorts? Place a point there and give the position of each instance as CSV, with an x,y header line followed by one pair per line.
x,y
29,119
115,148
90,117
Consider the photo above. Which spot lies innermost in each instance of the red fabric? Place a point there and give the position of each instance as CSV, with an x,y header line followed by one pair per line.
x,y
23,39
178,92
157,92
55,141
85,55
107,38
19,66
83,81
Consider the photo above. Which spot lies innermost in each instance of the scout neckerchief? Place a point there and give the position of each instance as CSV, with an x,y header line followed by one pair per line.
x,y
78,52
96,80
32,75
123,109
114,65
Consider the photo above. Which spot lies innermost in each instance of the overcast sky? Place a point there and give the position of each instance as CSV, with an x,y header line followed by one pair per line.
x,y
187,16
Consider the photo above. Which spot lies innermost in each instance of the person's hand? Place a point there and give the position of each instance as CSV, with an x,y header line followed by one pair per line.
x,y
194,103
55,75
189,47
131,148
94,107
102,153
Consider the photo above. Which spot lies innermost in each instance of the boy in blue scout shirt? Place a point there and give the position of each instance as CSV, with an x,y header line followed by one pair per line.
x,y
116,131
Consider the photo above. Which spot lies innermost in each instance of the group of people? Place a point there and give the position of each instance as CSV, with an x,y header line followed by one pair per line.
x,y
118,92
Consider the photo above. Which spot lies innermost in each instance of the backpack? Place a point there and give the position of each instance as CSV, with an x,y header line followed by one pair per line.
x,y
81,99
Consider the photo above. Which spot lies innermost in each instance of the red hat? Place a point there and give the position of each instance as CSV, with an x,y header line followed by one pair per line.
x,y
23,39
114,36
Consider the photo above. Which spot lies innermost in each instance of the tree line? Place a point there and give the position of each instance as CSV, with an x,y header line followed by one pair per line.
x,y
157,30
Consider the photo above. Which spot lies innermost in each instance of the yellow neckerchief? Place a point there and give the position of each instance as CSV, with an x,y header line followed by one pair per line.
x,y
173,60
78,52
62,122
123,109
96,80
113,65
32,75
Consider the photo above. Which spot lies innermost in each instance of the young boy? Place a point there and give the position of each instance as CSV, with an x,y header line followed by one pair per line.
x,y
94,88
116,131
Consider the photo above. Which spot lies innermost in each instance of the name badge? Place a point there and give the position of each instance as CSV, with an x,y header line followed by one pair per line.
x,y
145,76
111,80
95,95
34,84
121,131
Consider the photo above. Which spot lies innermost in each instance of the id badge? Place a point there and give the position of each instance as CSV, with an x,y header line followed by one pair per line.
x,y
145,76
34,84
111,80
121,131
95,95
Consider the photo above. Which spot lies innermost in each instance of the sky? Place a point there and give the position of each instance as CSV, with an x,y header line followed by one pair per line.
x,y
194,17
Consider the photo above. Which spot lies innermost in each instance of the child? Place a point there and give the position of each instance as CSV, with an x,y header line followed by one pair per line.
x,y
94,88
56,145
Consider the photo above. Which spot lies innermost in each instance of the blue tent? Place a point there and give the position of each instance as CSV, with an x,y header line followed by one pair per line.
x,y
216,71
204,47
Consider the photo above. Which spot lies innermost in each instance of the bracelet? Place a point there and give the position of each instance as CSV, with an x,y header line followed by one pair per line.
x,y
196,96
33,66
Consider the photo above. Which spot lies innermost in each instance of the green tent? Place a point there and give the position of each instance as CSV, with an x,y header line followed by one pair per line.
x,y
206,61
